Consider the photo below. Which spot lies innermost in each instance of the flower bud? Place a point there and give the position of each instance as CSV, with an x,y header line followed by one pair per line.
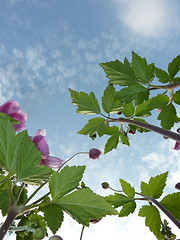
x,y
55,237
177,186
177,146
178,130
131,132
119,113
93,221
94,153
105,185
38,234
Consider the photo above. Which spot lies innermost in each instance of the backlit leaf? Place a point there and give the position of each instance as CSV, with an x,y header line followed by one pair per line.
x,y
127,189
127,209
162,75
176,97
174,66
118,199
112,143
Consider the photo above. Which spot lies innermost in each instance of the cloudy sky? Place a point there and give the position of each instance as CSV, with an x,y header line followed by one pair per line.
x,y
47,46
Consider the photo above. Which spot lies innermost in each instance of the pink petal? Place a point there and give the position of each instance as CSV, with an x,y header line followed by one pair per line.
x,y
42,145
10,107
41,132
21,116
177,146
52,162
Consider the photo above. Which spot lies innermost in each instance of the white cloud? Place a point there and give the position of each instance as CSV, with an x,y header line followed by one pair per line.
x,y
148,18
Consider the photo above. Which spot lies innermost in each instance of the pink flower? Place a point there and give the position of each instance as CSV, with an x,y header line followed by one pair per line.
x,y
11,108
159,110
177,146
42,146
94,153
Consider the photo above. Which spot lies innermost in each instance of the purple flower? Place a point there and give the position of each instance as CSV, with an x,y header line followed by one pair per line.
x,y
11,108
94,153
177,186
177,146
42,146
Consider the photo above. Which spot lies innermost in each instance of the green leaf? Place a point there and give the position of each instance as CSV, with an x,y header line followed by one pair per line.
x,y
87,104
127,209
111,130
135,92
4,196
4,116
124,139
143,71
155,186
109,103
168,116
53,215
28,158
174,66
83,204
95,125
176,97
111,143
162,75
172,203
118,199
159,101
119,73
127,189
128,109
65,181
7,145
153,220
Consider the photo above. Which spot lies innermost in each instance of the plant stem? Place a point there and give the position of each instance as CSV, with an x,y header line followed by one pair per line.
x,y
12,212
167,87
82,232
162,131
19,192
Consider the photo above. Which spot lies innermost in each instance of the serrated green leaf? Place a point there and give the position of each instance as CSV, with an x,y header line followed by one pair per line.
x,y
54,217
4,196
143,71
172,203
119,73
65,181
162,75
174,66
127,209
83,204
111,143
155,186
109,103
28,158
118,199
111,130
159,101
7,145
176,97
128,109
4,116
153,220
127,189
87,104
168,116
124,139
95,125
136,93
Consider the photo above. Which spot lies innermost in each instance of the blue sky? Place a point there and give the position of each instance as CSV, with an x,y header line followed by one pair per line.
x,y
47,46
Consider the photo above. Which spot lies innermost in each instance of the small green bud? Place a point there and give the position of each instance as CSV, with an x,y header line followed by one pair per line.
x,y
105,185
55,237
38,234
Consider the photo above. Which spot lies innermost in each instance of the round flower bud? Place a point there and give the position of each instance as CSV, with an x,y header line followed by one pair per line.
x,y
94,153
119,113
177,186
55,237
131,132
178,130
105,185
39,234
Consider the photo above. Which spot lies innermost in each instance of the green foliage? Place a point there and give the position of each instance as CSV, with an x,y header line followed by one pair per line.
x,y
172,203
155,186
174,67
176,97
127,209
112,142
162,75
87,104
118,199
53,215
84,205
127,189
4,196
128,109
65,181
95,125
152,219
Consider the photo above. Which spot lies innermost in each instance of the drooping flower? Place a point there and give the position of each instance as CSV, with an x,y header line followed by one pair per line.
x,y
11,108
42,146
94,153
177,146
